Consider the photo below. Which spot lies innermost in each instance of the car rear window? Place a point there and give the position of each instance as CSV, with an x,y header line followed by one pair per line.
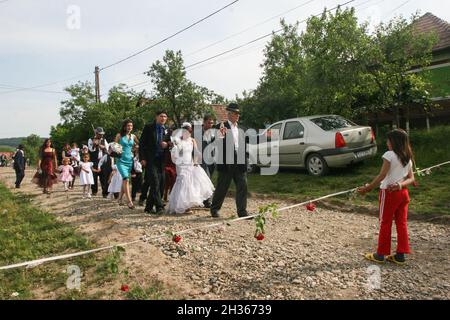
x,y
332,123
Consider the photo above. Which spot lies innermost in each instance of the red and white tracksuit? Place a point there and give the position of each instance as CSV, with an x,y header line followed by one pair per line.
x,y
393,205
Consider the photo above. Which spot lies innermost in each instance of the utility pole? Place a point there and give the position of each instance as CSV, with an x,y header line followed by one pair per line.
x,y
97,84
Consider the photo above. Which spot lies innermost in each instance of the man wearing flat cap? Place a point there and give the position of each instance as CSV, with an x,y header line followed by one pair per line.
x,y
98,146
231,162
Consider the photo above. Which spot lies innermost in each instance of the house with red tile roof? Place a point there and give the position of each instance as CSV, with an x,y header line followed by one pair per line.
x,y
439,69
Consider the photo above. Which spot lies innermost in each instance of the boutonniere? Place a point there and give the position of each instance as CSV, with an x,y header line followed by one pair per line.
x,y
166,131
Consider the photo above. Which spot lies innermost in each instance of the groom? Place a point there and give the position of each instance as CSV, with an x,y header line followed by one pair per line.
x,y
231,162
152,144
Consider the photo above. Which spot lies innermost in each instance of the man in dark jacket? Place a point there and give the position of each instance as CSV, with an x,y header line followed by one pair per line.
x,y
19,165
152,143
231,162
205,136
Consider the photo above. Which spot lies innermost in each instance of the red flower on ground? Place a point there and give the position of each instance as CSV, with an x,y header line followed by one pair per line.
x,y
310,206
176,238
124,288
259,237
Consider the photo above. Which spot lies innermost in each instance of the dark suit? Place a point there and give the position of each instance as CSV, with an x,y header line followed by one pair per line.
x,y
19,167
206,165
154,170
231,165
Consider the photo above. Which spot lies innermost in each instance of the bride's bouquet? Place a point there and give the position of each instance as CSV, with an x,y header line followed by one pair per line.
x,y
115,150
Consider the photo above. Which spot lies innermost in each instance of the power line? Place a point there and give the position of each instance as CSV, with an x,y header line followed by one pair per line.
x,y
249,28
169,37
398,7
46,84
9,87
259,38
127,58
227,38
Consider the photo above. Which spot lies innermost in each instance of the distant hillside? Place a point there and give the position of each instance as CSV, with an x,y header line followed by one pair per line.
x,y
12,142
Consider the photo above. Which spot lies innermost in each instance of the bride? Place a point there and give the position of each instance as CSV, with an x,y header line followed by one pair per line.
x,y
192,185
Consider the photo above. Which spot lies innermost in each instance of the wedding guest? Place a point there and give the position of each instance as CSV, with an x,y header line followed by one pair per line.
x,y
45,176
232,166
19,165
97,146
153,142
125,162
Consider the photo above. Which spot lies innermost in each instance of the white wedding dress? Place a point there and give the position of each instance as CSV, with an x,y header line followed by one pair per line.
x,y
192,185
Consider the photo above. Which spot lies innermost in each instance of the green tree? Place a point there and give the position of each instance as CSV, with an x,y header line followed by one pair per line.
x,y
397,48
80,113
31,145
183,99
279,92
335,49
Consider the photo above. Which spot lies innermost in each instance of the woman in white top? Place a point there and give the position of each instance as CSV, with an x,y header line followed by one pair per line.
x,y
395,175
192,185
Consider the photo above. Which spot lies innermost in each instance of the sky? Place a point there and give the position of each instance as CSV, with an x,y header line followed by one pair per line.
x,y
49,41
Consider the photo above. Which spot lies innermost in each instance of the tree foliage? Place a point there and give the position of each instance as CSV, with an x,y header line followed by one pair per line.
x,y
183,99
337,66
31,145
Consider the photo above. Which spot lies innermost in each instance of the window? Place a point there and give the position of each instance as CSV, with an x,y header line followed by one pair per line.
x,y
293,130
330,123
273,133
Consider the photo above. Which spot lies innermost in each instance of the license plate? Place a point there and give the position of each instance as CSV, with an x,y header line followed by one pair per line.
x,y
363,154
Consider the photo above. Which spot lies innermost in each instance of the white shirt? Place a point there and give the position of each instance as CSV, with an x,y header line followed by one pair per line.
x,y
397,172
235,132
100,151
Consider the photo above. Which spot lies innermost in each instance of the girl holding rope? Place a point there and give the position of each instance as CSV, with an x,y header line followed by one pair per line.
x,y
395,175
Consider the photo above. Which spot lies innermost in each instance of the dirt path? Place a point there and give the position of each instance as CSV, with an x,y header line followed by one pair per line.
x,y
304,256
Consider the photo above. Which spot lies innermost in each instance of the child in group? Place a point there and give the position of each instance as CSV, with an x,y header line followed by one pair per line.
x,y
75,161
395,175
115,183
136,175
66,174
86,175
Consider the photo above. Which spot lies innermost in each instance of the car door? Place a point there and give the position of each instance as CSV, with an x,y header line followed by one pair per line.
x,y
271,140
292,144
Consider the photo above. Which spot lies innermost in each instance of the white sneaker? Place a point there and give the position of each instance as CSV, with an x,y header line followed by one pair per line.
x,y
89,196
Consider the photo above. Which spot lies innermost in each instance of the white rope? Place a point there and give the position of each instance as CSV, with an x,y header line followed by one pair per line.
x,y
34,263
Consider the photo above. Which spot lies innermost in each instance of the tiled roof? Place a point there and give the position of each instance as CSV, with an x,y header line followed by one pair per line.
x,y
429,23
220,111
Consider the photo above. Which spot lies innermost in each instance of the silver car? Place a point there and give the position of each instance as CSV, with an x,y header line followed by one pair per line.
x,y
316,143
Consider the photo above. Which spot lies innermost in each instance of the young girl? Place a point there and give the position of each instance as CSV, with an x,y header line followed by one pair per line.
x,y
136,175
115,183
66,175
395,175
75,161
86,175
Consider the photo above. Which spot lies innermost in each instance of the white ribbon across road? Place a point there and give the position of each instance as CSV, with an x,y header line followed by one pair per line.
x,y
33,263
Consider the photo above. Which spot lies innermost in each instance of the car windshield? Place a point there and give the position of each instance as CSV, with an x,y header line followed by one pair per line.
x,y
329,123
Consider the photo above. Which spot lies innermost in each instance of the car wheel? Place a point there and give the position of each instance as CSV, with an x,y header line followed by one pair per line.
x,y
316,165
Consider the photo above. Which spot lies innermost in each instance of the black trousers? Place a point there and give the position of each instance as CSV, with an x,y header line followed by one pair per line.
x,y
154,180
209,169
223,184
96,175
20,174
104,177
136,185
